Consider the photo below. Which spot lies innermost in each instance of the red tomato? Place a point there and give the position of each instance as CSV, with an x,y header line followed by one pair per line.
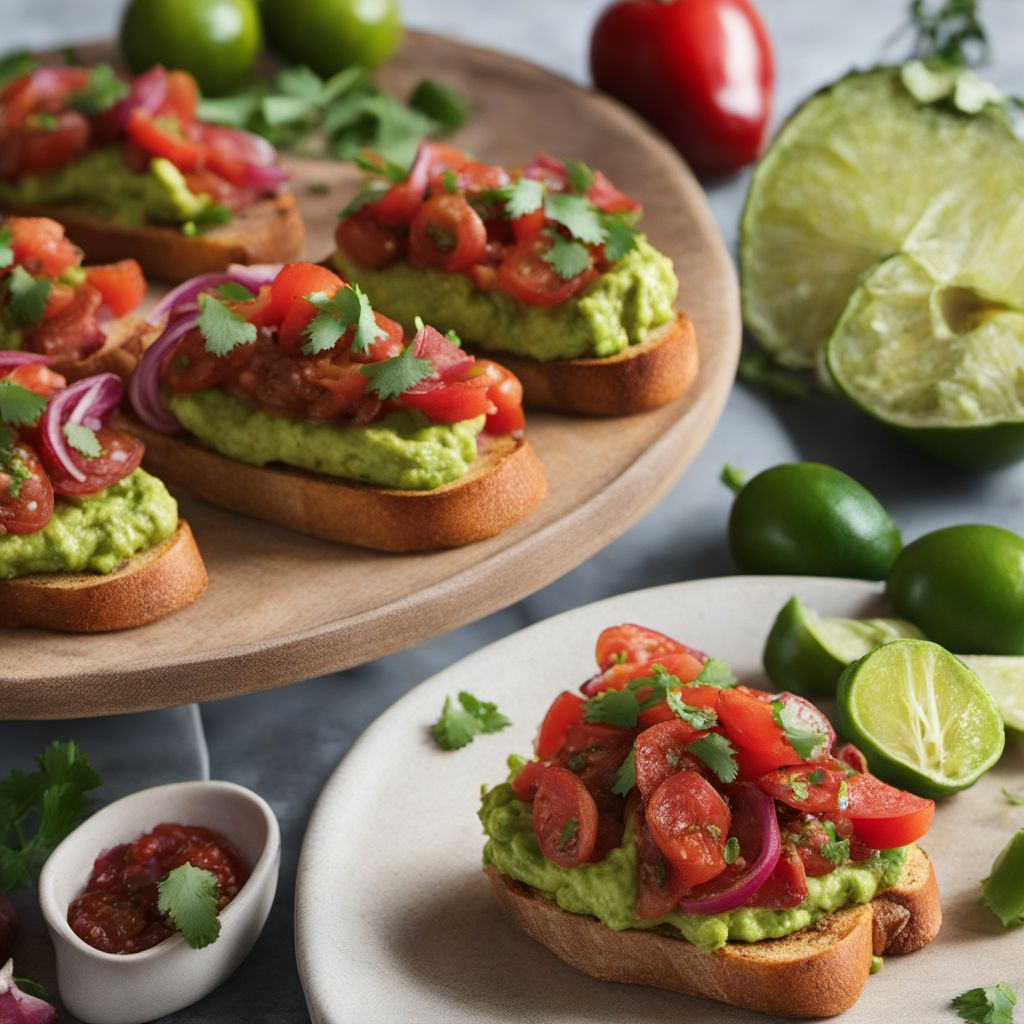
x,y
42,150
32,509
387,346
43,90
368,243
189,368
885,817
475,178
701,71
505,393
786,886
447,234
808,836
164,137
121,456
608,199
750,725
40,247
565,818
566,710
121,284
450,402
527,779
528,225
182,97
811,789
36,377
73,331
595,753
661,752
294,282
528,277
629,644
659,887
255,310
849,754
695,696
232,153
689,821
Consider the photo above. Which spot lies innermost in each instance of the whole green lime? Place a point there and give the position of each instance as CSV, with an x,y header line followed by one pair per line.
x,y
964,586
804,518
328,35
218,41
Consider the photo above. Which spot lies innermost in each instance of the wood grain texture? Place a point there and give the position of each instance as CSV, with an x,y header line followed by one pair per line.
x,y
283,607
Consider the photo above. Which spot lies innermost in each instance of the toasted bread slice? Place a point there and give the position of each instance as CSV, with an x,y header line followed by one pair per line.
x,y
126,340
504,483
268,231
152,584
644,376
817,972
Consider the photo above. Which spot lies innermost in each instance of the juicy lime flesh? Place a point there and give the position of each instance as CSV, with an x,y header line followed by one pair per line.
x,y
850,639
925,710
859,172
1003,677
917,352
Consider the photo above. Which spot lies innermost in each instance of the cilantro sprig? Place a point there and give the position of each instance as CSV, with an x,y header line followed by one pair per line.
x,y
802,738
222,329
189,897
731,851
26,296
102,90
993,1005
625,779
348,307
19,407
718,754
391,377
83,439
6,247
462,720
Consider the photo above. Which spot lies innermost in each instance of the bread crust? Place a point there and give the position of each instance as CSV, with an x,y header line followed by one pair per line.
x,y
642,377
268,231
152,584
504,483
817,972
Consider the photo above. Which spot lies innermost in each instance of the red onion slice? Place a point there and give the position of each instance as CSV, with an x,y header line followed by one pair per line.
x,y
11,360
144,387
184,297
89,402
17,1007
450,362
149,90
741,890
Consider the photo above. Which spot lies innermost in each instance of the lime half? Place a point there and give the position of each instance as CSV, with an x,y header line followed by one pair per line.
x,y
863,170
807,653
935,359
1004,678
922,717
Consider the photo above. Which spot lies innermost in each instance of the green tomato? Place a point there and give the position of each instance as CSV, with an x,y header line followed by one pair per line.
x,y
803,518
218,41
328,35
964,586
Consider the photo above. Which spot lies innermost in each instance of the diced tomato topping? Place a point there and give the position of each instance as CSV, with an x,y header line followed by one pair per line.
x,y
164,137
566,710
661,752
39,245
806,788
885,817
631,644
31,508
294,283
565,818
121,284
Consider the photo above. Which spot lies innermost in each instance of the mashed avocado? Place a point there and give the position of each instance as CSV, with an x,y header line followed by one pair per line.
x,y
607,889
402,450
621,308
101,181
96,533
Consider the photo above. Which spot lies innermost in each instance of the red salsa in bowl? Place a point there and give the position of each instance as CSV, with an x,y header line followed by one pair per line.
x,y
118,913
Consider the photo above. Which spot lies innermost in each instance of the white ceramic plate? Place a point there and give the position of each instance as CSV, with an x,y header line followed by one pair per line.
x,y
394,920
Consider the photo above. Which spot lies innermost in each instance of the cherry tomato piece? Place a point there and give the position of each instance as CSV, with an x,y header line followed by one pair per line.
x,y
40,246
120,457
164,137
447,234
631,644
566,711
121,285
189,368
786,886
45,149
885,817
505,393
659,886
852,756
528,277
36,377
565,818
748,722
73,332
527,779
368,243
528,225
294,282
31,508
450,402
661,752
810,789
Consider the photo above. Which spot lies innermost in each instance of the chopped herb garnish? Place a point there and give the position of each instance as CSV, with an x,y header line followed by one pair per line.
x,y
450,181
577,214
698,717
222,329
843,796
452,335
390,377
568,834
992,1005
376,164
188,896
19,407
440,104
27,296
836,852
799,788
102,90
16,470
817,777
718,754
626,778
213,216
6,247
460,722
715,673
235,292
580,176
521,197
569,258
731,851
803,739
615,707
83,440
620,235
348,307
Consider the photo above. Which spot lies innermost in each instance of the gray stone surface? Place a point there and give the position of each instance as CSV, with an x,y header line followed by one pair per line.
x,y
284,744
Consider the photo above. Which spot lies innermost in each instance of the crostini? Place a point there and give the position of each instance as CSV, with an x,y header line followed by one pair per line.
x,y
89,542
80,317
543,265
302,406
677,830
129,170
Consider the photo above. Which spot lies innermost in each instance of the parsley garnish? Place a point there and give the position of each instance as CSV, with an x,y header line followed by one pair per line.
x,y
188,896
731,851
235,292
6,247
348,307
39,809
19,407
699,718
620,235
569,832
28,296
718,754
222,329
580,176
102,90
390,377
569,258
521,197
83,440
625,780
577,214
837,852
987,1005
615,707
801,737
715,673
460,723
1012,798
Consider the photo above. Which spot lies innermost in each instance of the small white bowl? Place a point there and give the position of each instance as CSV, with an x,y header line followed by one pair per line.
x,y
109,988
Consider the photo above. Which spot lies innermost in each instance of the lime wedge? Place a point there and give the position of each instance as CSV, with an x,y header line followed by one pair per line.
x,y
863,170
806,653
1004,678
922,717
935,359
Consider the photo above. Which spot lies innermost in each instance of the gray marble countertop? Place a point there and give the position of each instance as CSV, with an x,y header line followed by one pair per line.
x,y
285,743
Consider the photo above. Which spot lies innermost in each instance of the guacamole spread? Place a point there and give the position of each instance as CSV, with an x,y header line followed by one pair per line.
x,y
621,308
96,533
607,889
101,181
404,449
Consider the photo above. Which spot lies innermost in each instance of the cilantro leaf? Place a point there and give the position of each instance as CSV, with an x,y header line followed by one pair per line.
x,y
453,336
27,295
522,197
214,215
625,780
616,707
567,257
992,1005
798,787
580,176
102,90
569,832
715,673
699,718
621,235
19,407
222,329
83,440
14,65
837,851
731,851
377,164
1012,798
576,214
460,723
817,777
6,247
450,181
718,754
16,470
369,192
235,292
348,307
440,104
390,377
188,896
803,739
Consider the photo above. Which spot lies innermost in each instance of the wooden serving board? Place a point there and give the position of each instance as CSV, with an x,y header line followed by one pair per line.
x,y
283,607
